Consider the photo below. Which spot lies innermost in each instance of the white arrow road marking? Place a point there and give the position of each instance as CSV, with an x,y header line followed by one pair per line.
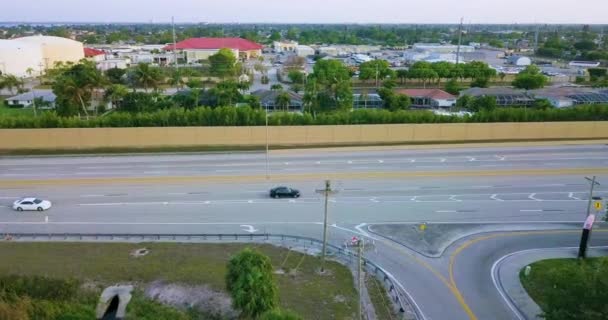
x,y
331,200
531,197
318,162
46,219
413,160
414,198
349,162
207,202
501,158
443,160
571,195
249,201
495,197
446,211
248,228
380,161
454,199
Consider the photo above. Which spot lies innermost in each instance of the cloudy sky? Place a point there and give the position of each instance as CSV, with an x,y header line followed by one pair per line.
x,y
308,11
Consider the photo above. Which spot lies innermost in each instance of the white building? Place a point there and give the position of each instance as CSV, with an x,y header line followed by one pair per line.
x,y
20,58
441,48
56,49
27,99
519,61
361,58
305,51
284,46
584,64
113,63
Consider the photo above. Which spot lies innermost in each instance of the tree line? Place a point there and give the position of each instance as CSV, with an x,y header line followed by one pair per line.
x,y
246,116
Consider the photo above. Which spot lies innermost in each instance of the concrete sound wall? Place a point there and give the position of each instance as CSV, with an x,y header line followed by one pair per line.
x,y
98,138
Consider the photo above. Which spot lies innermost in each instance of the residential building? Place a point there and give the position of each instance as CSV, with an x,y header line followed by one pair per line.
x,y
26,100
505,97
429,98
94,55
196,49
268,100
284,46
366,101
520,61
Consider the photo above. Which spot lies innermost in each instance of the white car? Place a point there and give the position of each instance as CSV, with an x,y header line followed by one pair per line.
x,y
31,204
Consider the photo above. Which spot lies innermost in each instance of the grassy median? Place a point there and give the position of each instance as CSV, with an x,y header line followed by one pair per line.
x,y
301,288
569,289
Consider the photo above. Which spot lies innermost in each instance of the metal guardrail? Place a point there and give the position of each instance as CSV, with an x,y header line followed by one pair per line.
x,y
400,299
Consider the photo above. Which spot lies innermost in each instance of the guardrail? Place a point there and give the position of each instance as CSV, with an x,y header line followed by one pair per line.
x,y
404,303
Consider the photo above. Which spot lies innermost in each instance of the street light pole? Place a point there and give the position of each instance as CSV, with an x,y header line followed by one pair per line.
x,y
326,192
267,168
359,267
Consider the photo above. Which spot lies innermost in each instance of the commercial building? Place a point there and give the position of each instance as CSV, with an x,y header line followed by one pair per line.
x,y
284,46
584,64
94,55
429,98
304,51
30,56
196,49
113,63
441,48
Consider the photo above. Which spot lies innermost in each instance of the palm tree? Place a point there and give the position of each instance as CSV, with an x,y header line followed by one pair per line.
x,y
10,82
147,76
115,93
283,100
177,80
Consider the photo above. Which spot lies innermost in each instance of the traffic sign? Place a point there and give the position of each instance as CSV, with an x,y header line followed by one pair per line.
x,y
598,205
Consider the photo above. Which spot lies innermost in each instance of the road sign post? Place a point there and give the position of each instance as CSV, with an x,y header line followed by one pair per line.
x,y
326,192
593,183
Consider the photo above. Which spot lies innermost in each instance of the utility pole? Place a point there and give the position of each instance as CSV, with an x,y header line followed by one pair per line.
x,y
174,44
326,192
359,282
459,41
267,166
593,184
536,39
377,75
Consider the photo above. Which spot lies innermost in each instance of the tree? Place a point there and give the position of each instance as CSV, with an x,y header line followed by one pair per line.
x,y
250,281
276,87
329,86
11,82
296,76
146,76
585,45
194,83
451,86
283,100
294,63
116,75
530,78
502,76
480,82
393,101
115,93
482,103
223,63
177,79
542,104
402,75
226,93
597,72
275,36
379,69
74,88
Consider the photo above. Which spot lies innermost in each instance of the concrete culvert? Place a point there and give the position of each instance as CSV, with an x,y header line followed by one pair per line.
x,y
113,302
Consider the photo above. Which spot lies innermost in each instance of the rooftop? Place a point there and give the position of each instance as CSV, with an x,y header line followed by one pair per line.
x,y
45,95
216,43
90,52
427,93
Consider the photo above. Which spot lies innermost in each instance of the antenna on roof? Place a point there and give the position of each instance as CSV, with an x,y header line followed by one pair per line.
x,y
174,43
459,41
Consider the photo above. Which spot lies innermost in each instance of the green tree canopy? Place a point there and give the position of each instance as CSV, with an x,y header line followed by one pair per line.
x,y
251,283
223,63
530,78
74,88
296,76
371,69
146,76
116,75
329,86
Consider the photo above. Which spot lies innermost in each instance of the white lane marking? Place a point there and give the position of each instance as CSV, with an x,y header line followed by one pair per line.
x,y
46,219
446,211
318,162
331,200
248,228
249,201
16,197
380,161
352,231
571,195
414,198
453,198
349,162
409,296
177,193
495,197
413,160
91,195
90,173
154,223
106,167
531,210
531,197
120,203
472,187
165,203
471,158
286,163
374,200
443,160
207,202
226,170
500,158
155,172
292,201
496,267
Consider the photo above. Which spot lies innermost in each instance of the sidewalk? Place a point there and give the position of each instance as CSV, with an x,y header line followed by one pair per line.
x,y
505,275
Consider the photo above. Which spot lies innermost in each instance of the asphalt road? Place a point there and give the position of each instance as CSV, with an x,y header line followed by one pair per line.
x,y
228,193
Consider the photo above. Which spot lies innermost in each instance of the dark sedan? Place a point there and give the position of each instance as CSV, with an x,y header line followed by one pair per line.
x,y
284,192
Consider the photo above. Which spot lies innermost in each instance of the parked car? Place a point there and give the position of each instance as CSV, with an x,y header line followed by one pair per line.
x,y
31,204
284,192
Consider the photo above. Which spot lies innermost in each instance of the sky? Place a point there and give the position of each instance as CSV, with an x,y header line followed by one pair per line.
x,y
308,11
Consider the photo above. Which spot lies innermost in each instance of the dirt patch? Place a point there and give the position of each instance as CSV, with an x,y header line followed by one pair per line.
x,y
210,302
139,252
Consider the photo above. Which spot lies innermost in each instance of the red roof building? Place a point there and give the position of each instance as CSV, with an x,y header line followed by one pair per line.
x,y
429,98
201,48
90,52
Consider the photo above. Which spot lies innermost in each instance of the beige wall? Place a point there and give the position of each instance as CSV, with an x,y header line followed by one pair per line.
x,y
90,138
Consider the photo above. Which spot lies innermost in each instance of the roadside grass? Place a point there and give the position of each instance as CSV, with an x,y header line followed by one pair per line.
x,y
380,299
6,111
569,288
310,295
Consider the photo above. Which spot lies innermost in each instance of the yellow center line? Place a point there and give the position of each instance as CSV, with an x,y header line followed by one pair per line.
x,y
469,243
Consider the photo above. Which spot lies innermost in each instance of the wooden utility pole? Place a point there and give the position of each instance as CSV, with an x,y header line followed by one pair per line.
x,y
359,273
326,192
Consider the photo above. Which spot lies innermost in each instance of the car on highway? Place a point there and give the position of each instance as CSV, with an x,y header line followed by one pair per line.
x,y
284,192
31,204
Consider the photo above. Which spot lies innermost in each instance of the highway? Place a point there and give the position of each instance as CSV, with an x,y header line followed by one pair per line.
x,y
514,188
